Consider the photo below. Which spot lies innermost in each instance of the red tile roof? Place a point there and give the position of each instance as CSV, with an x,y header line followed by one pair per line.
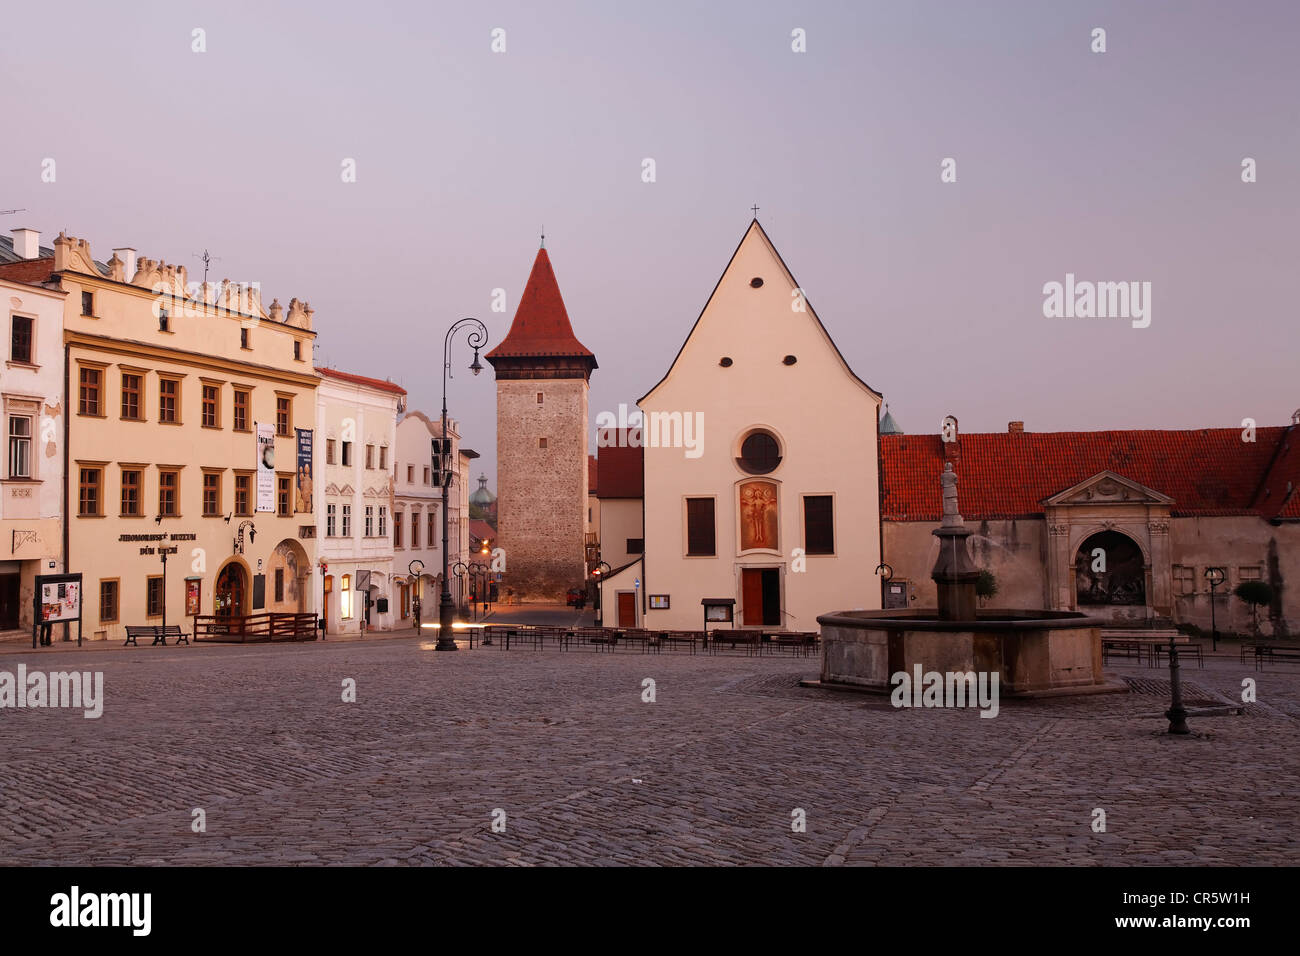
x,y
28,270
478,530
1207,471
363,380
541,326
1279,492
621,467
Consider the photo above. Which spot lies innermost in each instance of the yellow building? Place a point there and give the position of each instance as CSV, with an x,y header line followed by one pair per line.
x,y
188,419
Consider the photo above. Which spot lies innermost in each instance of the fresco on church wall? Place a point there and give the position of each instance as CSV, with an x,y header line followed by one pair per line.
x,y
758,514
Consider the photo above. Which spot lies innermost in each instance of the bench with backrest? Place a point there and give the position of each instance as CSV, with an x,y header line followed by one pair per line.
x,y
174,631
136,631
1282,653
750,640
1184,651
799,642
671,639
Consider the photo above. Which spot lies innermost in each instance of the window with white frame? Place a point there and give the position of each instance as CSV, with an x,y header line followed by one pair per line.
x,y
370,521
330,520
383,521
20,446
347,521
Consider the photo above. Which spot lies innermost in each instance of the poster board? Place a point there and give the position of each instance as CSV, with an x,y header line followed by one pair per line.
x,y
56,600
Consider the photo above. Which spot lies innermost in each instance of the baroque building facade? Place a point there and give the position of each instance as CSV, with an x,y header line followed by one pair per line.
x,y
188,406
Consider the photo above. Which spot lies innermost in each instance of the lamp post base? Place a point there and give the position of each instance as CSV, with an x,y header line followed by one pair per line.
x,y
446,618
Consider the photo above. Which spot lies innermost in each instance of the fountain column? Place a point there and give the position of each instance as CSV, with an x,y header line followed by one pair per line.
x,y
954,573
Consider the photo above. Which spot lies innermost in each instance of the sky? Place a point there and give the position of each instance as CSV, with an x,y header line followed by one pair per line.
x,y
1123,165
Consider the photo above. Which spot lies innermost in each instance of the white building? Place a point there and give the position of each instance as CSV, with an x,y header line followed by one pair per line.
x,y
34,420
762,480
417,518
356,420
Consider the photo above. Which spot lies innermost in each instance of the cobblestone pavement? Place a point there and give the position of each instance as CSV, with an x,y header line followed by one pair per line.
x,y
286,772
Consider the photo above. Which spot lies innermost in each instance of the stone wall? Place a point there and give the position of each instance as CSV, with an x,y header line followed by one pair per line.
x,y
542,492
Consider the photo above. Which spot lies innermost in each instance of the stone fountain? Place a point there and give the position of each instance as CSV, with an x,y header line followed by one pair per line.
x,y
1036,652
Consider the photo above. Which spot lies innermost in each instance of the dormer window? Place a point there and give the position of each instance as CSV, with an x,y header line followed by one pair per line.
x,y
164,321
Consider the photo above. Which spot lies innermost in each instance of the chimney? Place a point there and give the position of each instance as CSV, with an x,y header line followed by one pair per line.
x,y
127,255
27,243
1015,428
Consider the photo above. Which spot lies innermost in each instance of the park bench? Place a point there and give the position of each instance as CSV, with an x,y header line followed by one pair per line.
x,y
799,642
1124,647
671,639
1184,651
752,641
136,631
174,631
1277,652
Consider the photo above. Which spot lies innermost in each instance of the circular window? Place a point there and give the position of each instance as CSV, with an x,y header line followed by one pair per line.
x,y
759,454
756,283
789,360
725,361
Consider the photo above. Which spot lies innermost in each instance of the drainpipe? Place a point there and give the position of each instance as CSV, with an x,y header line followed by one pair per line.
x,y
66,456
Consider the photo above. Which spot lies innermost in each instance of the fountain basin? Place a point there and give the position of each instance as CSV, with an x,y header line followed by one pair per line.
x,y
1035,652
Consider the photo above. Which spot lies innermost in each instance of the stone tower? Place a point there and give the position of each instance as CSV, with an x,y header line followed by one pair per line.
x,y
543,374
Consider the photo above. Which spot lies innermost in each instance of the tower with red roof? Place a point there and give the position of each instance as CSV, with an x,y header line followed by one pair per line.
x,y
543,375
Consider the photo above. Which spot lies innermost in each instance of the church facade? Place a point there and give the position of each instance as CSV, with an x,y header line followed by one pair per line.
x,y
761,488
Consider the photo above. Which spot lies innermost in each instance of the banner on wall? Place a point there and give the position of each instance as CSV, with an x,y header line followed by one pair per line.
x,y
302,491
265,467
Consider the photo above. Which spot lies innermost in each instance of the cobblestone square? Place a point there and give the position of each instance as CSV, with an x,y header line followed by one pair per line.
x,y
259,738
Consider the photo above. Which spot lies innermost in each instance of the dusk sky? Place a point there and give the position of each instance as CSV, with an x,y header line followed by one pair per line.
x,y
1117,166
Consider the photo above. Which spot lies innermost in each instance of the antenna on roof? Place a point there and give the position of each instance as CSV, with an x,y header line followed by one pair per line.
x,y
543,236
207,258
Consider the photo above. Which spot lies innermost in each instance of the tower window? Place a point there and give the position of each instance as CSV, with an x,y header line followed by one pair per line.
x,y
541,443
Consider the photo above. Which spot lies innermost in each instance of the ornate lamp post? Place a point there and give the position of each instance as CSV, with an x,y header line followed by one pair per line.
x,y
1216,577
598,573
415,587
886,575
478,577
477,339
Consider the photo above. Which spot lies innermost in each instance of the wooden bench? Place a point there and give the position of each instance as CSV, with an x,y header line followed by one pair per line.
x,y
1184,650
671,639
1124,647
135,631
174,631
1277,652
752,640
798,641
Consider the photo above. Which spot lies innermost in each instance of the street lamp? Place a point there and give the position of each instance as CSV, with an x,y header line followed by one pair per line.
x,y
597,573
415,587
477,338
164,587
886,575
480,586
1216,577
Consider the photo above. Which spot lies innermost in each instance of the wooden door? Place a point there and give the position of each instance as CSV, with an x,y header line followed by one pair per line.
x,y
751,597
9,601
627,609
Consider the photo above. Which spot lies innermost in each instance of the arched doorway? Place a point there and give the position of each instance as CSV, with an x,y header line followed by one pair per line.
x,y
229,595
288,578
1110,570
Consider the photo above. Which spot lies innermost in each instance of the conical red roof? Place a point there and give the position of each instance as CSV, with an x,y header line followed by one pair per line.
x,y
541,327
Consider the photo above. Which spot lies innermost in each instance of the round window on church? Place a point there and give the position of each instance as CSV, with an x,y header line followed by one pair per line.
x,y
756,283
759,454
